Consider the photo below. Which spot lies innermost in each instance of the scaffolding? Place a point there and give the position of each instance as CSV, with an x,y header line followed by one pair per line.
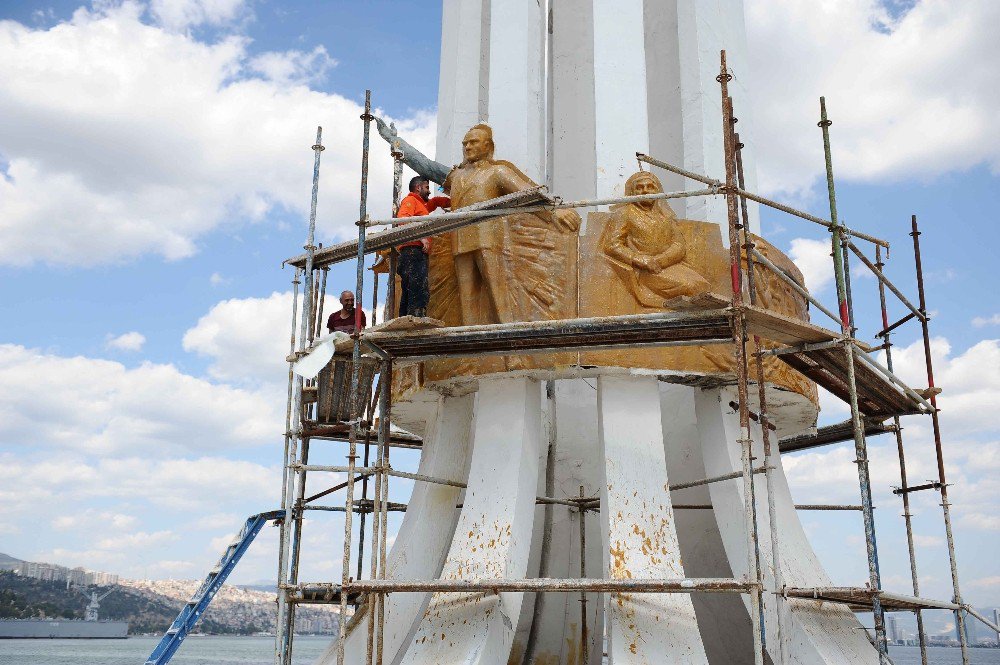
x,y
834,359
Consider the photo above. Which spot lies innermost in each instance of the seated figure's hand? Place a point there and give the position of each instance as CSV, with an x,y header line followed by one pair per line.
x,y
648,263
567,219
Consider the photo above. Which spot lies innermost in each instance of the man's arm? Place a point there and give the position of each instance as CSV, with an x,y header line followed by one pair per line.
x,y
436,202
412,157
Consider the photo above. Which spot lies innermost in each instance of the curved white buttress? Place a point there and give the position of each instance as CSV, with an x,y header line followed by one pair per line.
x,y
639,528
816,632
428,526
493,535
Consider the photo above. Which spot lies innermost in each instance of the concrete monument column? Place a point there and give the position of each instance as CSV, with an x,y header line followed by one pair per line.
x,y
574,88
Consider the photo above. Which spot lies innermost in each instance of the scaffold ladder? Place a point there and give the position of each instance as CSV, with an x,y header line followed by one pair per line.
x,y
195,608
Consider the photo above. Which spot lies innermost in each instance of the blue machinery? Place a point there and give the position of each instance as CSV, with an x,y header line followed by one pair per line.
x,y
194,608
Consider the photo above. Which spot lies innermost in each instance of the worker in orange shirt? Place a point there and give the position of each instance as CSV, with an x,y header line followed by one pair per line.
x,y
413,255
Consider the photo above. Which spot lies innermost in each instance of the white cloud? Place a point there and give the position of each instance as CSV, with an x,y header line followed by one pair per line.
x,y
982,321
909,97
921,540
92,520
293,67
248,338
970,382
183,14
813,258
163,138
216,279
47,484
130,341
101,406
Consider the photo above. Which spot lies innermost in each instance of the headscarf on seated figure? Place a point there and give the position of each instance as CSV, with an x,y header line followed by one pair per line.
x,y
646,249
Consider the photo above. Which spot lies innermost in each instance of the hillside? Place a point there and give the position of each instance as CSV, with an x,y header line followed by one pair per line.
x,y
150,606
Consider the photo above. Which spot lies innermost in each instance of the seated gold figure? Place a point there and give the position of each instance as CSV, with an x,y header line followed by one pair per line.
x,y
645,248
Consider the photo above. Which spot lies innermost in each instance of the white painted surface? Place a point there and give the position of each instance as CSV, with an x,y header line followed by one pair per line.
x,y
493,535
515,108
464,75
639,527
704,28
559,633
722,620
623,76
817,633
621,124
428,526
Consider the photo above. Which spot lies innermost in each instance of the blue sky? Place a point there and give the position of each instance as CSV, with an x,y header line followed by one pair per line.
x,y
156,171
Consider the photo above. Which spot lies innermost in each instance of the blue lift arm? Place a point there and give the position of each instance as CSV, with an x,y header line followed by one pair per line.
x,y
195,607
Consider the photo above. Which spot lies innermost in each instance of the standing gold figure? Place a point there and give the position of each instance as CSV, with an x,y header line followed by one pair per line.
x,y
483,252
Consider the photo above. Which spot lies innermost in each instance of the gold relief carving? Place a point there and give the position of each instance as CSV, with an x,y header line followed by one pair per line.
x,y
645,248
531,267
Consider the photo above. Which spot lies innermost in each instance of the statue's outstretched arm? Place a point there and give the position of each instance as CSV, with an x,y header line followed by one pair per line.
x,y
412,157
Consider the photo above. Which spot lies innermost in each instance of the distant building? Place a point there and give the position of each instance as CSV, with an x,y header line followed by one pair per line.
x,y
893,630
53,573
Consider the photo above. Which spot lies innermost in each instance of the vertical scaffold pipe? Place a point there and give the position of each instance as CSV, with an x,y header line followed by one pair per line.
x,y
287,612
860,445
385,398
352,455
739,341
904,484
286,482
771,460
397,189
938,450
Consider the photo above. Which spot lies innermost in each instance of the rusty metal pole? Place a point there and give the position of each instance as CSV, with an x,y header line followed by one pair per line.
x,y
385,406
352,455
904,486
771,460
290,536
739,340
547,517
860,445
844,242
397,188
322,300
584,631
287,479
938,450
372,599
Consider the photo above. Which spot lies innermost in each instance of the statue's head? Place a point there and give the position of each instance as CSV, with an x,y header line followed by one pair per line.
x,y
643,182
478,143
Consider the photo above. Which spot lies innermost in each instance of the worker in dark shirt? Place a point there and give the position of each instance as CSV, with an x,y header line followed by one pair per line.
x,y
345,319
413,255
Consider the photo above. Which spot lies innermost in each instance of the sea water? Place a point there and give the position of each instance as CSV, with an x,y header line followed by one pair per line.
x,y
260,651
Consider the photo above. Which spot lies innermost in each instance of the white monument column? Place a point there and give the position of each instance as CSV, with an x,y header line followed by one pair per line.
x,y
574,88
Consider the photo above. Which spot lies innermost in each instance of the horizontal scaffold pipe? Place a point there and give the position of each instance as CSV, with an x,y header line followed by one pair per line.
x,y
759,199
436,224
798,506
368,471
680,585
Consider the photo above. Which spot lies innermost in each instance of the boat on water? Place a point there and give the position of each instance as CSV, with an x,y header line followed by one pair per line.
x,y
62,629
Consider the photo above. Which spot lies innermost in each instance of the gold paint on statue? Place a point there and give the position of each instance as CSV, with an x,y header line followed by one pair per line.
x,y
492,286
524,268
646,250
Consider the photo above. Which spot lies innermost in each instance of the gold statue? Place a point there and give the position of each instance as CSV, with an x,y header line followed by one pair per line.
x,y
646,249
484,253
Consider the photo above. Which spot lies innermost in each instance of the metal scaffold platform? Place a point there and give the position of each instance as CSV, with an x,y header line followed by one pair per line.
x,y
833,358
